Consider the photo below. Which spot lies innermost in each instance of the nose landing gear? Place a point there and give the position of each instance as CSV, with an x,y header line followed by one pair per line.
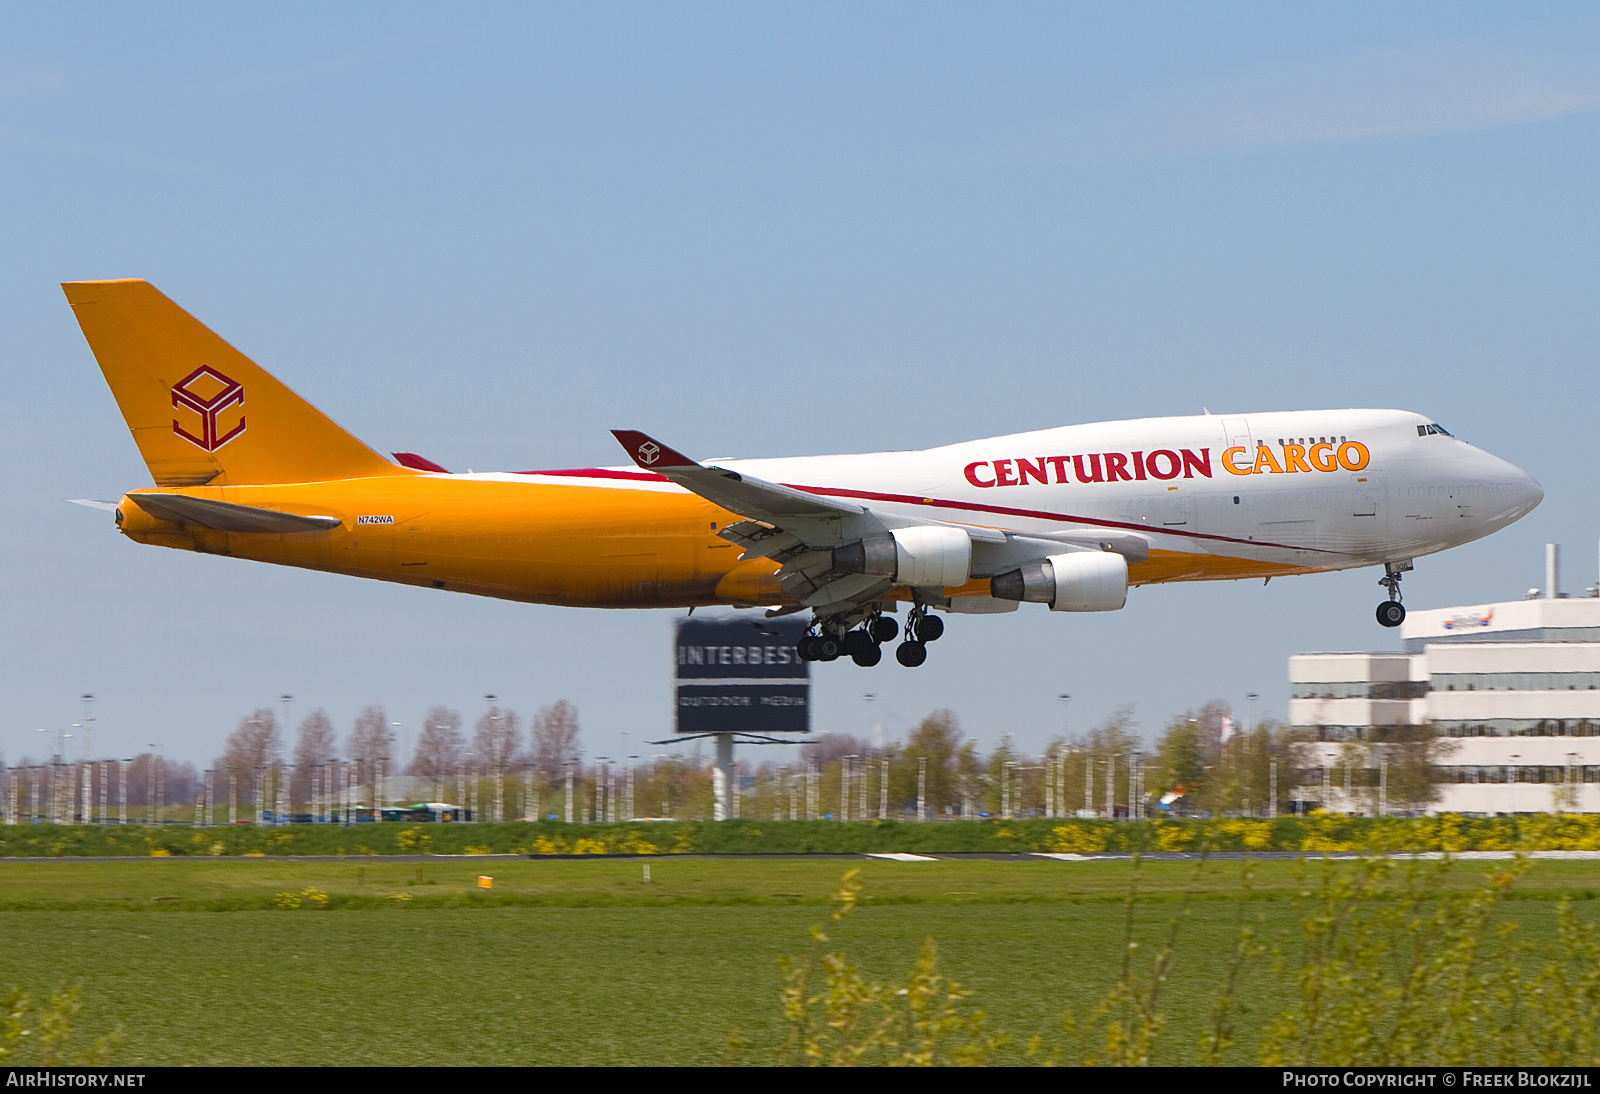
x,y
1392,613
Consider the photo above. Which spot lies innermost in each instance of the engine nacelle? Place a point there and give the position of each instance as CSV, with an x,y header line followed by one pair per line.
x,y
1082,581
926,556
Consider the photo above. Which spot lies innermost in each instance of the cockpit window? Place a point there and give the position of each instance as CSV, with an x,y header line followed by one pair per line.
x,y
1431,428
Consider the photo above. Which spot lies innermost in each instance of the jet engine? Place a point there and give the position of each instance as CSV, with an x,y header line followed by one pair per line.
x,y
1081,581
929,556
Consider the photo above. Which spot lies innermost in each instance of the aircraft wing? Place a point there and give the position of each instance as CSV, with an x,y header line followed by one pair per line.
x,y
226,516
792,527
738,493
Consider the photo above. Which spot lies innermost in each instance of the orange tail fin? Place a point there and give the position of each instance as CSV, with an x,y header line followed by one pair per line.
x,y
200,411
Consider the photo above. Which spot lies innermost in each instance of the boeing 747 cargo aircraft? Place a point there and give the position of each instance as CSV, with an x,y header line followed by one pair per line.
x,y
1069,517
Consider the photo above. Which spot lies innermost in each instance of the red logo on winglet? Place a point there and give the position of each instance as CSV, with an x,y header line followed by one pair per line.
x,y
208,393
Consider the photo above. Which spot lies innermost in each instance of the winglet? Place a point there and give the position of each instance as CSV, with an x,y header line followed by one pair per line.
x,y
649,453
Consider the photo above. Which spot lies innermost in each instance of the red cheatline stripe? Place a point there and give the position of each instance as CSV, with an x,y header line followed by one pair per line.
x,y
1039,514
966,506
600,473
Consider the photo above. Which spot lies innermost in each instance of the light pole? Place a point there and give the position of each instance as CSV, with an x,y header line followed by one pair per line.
x,y
496,758
155,763
64,789
1515,756
285,797
386,764
625,807
1066,710
850,767
581,753
88,772
51,812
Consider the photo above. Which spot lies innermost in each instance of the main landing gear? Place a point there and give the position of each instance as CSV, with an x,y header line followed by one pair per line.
x,y
1392,613
921,628
864,644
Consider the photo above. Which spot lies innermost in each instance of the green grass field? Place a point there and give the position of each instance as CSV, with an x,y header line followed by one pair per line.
x,y
582,962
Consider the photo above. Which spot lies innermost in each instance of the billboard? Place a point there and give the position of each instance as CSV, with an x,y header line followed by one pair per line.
x,y
741,674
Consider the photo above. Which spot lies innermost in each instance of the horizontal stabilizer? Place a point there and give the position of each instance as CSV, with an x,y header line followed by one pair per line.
x,y
735,492
108,506
225,516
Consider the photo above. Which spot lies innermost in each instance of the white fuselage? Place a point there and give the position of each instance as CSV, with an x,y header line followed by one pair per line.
x,y
1313,490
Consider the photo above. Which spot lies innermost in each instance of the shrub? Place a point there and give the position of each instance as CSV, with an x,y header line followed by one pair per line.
x,y
41,1036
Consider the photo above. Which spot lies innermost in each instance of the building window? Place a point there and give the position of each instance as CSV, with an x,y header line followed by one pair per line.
x,y
1520,727
1515,681
1360,689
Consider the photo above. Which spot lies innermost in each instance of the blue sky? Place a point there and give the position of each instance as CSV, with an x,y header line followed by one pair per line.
x,y
491,233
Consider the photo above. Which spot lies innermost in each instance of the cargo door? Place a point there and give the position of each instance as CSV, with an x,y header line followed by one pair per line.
x,y
1366,494
1175,508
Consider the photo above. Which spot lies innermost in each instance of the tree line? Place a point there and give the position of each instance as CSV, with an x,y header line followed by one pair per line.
x,y
1203,763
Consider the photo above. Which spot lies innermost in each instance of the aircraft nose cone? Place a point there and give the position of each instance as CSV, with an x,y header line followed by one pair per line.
x,y
1534,492
1526,496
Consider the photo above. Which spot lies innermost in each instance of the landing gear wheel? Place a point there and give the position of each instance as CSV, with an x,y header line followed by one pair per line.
x,y
857,642
929,628
826,648
1392,613
803,648
867,656
883,629
911,654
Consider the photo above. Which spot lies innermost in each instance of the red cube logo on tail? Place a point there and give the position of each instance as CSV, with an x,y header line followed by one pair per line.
x,y
208,393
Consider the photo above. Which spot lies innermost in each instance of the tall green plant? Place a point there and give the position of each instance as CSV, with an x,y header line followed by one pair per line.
x,y
40,1035
836,1017
1402,981
1390,968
